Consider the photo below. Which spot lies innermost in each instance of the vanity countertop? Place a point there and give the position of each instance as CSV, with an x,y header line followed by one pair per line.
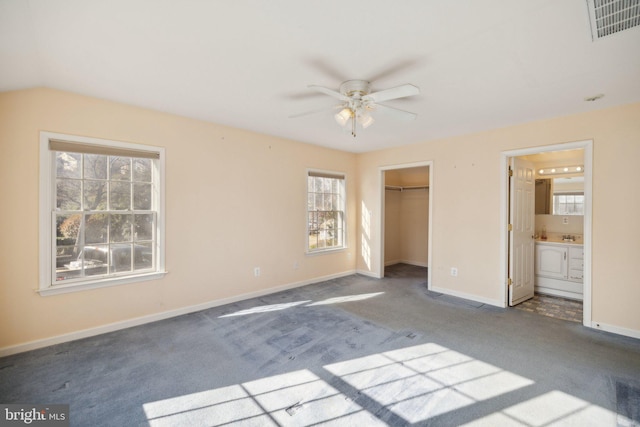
x,y
560,241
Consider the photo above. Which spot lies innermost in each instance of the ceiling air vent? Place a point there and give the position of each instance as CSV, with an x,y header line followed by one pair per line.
x,y
612,16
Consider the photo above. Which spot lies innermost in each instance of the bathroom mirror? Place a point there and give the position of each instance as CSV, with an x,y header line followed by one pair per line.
x,y
560,196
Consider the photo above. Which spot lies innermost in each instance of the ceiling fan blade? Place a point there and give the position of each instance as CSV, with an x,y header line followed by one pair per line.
x,y
395,113
329,92
317,111
397,67
327,69
393,93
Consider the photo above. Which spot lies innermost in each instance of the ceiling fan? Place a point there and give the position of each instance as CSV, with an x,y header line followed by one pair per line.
x,y
357,103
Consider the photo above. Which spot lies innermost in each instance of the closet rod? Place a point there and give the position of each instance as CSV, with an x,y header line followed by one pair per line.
x,y
400,188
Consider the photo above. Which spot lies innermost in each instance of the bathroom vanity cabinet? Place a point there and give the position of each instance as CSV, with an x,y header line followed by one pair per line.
x,y
559,269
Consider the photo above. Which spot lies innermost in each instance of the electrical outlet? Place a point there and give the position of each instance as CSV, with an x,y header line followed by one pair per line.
x,y
565,220
296,265
256,271
454,271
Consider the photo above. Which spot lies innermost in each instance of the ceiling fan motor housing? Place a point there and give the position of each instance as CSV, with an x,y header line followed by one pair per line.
x,y
355,88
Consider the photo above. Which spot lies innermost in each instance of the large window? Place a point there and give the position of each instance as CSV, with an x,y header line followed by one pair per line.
x,y
325,211
101,212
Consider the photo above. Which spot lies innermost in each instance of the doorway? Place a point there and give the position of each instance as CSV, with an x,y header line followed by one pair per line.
x,y
406,205
560,159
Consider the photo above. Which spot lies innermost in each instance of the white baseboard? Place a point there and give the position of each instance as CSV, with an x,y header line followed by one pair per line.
x,y
368,273
406,261
111,327
471,297
416,263
559,293
616,329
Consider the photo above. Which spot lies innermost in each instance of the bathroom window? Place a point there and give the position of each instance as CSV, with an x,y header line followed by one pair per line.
x,y
568,203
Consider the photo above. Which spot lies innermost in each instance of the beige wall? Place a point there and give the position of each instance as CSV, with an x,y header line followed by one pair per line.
x,y
392,227
414,227
235,200
466,211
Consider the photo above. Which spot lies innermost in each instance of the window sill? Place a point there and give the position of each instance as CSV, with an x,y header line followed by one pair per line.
x,y
325,251
102,283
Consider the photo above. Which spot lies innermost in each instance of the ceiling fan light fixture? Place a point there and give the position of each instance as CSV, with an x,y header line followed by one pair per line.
x,y
366,120
343,116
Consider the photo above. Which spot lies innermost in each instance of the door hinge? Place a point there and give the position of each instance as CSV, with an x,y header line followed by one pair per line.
x,y
509,281
510,171
510,227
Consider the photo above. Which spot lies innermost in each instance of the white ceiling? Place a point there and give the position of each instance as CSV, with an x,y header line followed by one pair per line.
x,y
480,64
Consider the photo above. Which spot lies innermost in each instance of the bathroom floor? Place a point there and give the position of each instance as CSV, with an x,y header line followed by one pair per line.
x,y
551,306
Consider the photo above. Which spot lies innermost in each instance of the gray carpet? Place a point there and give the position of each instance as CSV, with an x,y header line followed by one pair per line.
x,y
351,351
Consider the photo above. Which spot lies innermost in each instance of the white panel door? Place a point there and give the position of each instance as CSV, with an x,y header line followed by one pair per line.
x,y
522,220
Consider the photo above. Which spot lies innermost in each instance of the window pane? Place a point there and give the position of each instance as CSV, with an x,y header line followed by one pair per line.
x,y
64,256
68,165
334,202
141,196
143,256
68,263
68,194
120,195
120,168
68,229
96,227
327,184
144,225
120,230
94,260
142,170
95,166
312,221
120,258
95,195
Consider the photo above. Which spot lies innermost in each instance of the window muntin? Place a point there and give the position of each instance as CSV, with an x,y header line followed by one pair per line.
x,y
325,211
105,212
568,203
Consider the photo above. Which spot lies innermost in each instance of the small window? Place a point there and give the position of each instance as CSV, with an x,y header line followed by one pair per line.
x,y
568,203
325,211
101,212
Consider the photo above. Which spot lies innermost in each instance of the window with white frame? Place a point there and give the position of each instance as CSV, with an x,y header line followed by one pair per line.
x,y
101,212
325,211
568,203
